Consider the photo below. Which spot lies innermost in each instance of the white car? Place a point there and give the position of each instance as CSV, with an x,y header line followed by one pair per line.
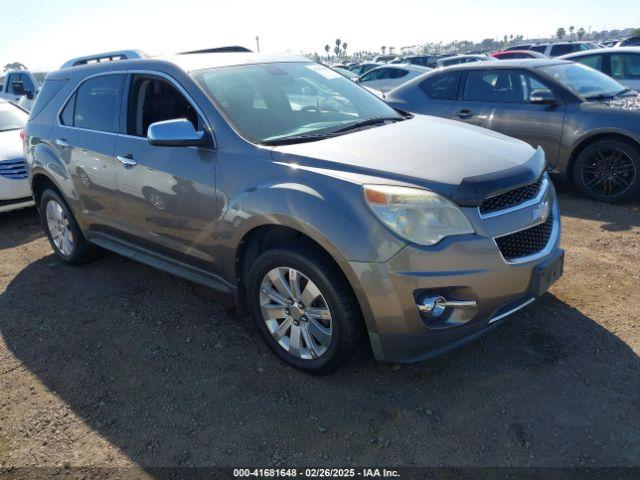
x,y
621,63
383,79
458,59
15,191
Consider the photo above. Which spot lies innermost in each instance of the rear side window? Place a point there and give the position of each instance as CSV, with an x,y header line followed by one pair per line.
x,y
94,105
593,61
625,66
48,91
441,87
539,48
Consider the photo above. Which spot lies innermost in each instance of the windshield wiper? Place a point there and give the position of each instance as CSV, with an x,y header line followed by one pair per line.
x,y
295,139
603,96
365,123
321,136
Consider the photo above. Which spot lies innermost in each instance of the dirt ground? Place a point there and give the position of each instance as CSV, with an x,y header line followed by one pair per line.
x,y
116,364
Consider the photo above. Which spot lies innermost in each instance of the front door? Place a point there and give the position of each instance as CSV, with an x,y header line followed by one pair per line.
x,y
85,138
167,194
498,99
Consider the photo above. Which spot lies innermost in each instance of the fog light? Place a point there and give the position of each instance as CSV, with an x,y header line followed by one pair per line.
x,y
432,307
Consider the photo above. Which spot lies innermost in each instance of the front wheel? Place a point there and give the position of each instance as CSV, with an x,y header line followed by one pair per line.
x,y
608,171
304,308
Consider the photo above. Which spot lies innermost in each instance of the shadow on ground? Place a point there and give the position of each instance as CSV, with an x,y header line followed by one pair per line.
x,y
614,218
19,227
156,366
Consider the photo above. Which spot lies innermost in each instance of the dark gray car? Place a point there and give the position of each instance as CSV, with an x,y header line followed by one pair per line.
x,y
587,123
325,212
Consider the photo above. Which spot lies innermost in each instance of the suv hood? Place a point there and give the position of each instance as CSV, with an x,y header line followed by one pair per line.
x,y
465,162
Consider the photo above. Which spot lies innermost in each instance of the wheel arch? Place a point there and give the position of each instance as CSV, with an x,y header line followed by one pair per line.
x,y
268,235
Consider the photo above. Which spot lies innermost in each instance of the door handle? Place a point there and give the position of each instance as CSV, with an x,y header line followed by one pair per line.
x,y
61,142
127,160
464,113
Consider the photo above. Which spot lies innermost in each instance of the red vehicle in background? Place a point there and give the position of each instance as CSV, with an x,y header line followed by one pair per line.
x,y
511,54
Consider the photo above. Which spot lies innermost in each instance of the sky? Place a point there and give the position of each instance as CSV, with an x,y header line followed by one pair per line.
x,y
47,32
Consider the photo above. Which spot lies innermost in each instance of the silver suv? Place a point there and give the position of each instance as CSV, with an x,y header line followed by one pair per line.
x,y
329,215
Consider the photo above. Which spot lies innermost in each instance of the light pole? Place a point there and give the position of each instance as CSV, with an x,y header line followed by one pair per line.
x,y
258,43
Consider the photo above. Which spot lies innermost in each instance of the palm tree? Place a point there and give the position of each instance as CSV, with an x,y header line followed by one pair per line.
x,y
383,48
561,33
571,29
327,47
581,33
344,48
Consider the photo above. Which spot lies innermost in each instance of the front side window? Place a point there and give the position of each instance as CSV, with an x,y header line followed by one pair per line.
x,y
153,99
377,74
583,81
539,48
625,66
277,102
504,86
564,49
94,105
441,87
11,117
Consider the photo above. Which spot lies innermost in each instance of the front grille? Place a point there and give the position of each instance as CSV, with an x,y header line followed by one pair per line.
x,y
511,198
13,169
526,242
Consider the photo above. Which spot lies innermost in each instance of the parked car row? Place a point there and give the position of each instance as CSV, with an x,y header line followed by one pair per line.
x,y
587,123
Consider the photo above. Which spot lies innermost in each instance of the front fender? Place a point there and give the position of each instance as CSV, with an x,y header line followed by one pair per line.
x,y
335,216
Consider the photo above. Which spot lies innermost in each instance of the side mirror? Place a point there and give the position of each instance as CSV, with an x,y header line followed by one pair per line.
x,y
542,97
18,88
177,133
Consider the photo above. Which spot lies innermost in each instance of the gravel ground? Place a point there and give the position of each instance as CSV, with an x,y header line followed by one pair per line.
x,y
114,364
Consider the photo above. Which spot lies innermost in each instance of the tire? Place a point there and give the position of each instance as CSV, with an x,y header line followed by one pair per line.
x,y
62,230
608,171
341,318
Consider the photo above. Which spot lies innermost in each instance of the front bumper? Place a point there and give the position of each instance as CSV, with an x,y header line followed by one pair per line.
x,y
14,194
469,268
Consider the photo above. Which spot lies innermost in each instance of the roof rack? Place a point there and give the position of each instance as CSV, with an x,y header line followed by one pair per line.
x,y
105,57
230,49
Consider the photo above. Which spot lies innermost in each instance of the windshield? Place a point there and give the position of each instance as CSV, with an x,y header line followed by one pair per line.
x,y
274,101
11,117
584,81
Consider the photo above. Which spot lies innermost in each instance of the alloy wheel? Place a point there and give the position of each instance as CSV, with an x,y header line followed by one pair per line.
x,y
608,172
296,313
59,228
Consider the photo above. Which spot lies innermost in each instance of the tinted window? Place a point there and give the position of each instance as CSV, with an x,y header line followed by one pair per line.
x,y
151,100
28,83
12,77
593,61
397,73
539,48
377,74
441,87
97,103
625,65
563,49
505,86
66,117
48,91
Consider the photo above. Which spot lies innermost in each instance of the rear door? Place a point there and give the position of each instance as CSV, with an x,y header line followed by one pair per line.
x,y
498,99
167,195
85,136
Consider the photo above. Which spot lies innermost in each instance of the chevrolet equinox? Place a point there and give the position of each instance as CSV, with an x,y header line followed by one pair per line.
x,y
329,215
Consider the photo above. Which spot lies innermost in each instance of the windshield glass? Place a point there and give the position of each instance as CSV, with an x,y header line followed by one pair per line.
x,y
584,81
11,117
274,101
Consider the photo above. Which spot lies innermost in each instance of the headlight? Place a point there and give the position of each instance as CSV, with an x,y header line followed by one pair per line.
x,y
418,216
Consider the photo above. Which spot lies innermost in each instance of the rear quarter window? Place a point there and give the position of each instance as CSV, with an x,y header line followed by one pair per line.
x,y
49,90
